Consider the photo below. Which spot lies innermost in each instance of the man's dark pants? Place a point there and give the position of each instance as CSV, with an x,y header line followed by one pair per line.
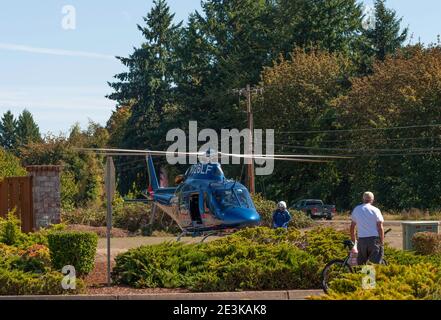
x,y
370,249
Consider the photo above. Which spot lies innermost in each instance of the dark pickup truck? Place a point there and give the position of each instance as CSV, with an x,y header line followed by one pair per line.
x,y
315,208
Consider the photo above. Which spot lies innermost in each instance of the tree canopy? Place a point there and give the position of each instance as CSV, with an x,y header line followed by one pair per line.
x,y
10,165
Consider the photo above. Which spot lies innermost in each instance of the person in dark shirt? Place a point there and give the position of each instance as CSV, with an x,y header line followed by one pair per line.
x,y
281,216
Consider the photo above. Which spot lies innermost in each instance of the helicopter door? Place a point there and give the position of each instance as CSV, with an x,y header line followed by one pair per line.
x,y
195,212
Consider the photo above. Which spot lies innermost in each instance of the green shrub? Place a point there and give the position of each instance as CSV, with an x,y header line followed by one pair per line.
x,y
267,259
10,165
393,282
68,190
35,259
8,256
73,248
18,282
266,235
135,217
250,266
131,217
300,220
326,243
11,234
91,216
217,266
10,229
427,243
251,259
265,208
400,257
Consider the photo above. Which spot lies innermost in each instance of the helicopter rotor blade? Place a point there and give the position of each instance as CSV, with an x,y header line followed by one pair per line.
x,y
134,152
258,156
295,160
131,152
289,159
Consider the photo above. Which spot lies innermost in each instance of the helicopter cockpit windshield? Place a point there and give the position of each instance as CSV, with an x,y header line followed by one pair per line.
x,y
244,197
233,197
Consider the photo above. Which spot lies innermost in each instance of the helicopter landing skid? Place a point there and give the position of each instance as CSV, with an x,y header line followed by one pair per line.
x,y
205,235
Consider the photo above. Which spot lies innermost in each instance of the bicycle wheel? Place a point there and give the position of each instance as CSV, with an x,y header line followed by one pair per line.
x,y
333,270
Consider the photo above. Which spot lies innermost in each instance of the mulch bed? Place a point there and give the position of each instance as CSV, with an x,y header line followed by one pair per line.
x,y
122,290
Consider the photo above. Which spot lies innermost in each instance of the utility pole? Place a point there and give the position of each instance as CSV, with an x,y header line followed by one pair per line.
x,y
250,166
110,192
247,92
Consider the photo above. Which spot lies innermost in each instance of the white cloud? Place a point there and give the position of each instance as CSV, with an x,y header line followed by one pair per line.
x,y
58,52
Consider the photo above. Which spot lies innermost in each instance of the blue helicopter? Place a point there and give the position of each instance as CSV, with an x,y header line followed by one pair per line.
x,y
204,202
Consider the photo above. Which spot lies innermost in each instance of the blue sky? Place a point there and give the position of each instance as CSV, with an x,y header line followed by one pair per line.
x,y
61,75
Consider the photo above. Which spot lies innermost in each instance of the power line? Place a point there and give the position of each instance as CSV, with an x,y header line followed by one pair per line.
x,y
436,148
360,130
404,154
374,139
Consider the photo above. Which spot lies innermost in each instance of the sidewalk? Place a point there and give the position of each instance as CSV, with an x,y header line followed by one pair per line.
x,y
246,295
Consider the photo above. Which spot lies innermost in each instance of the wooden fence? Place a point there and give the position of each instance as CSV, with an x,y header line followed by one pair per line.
x,y
16,193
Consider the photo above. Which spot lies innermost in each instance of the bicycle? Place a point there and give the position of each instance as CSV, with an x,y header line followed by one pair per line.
x,y
335,268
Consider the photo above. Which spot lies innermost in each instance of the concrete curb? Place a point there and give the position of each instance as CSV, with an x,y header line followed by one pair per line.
x,y
245,295
386,222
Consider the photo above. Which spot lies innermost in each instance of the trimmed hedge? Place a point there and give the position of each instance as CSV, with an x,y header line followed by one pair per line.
x,y
73,248
427,243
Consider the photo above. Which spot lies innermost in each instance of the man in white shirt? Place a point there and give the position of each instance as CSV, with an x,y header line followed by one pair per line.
x,y
369,222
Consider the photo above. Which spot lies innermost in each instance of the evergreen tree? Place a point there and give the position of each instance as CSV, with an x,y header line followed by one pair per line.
x,y
27,129
386,36
332,25
8,131
147,86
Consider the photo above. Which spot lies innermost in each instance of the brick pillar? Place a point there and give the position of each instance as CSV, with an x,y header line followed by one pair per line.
x,y
46,194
